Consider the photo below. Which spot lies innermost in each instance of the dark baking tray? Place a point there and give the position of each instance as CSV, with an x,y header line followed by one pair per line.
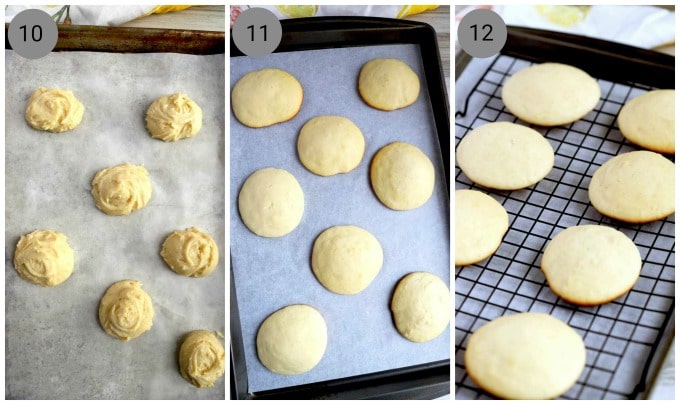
x,y
419,382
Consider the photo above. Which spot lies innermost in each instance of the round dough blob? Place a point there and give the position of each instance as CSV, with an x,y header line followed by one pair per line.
x,y
481,223
125,310
525,356
54,110
266,97
402,176
421,306
649,121
271,202
591,264
173,117
44,258
346,259
388,84
292,340
550,94
201,358
505,156
634,187
190,253
122,189
329,145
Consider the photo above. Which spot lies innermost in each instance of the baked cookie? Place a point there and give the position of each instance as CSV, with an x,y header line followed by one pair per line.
x,y
125,310
525,356
266,97
44,258
201,358
173,117
505,156
550,94
292,340
190,253
648,120
480,223
591,264
54,110
634,187
122,189
402,176
388,84
421,306
329,145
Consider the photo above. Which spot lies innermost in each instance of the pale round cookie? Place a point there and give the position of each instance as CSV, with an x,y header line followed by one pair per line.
x,y
201,358
122,189
329,145
525,356
648,120
266,97
44,258
480,223
125,310
292,340
271,202
636,187
505,156
54,110
388,84
346,259
421,306
173,117
550,94
591,264
190,253
402,176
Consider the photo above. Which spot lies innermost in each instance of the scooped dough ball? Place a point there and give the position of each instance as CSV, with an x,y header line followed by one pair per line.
x,y
421,306
190,253
402,176
388,84
122,189
125,310
329,145
201,358
292,340
648,120
54,110
173,117
44,258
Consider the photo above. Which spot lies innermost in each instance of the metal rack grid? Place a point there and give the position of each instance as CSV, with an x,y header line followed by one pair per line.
x,y
620,337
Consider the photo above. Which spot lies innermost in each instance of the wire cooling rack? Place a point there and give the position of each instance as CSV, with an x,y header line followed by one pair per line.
x,y
621,337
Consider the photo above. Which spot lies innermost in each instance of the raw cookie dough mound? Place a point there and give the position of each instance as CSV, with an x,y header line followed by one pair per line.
x,y
649,121
122,189
634,187
388,84
525,356
346,259
292,340
271,202
402,176
591,264
44,258
54,110
550,94
174,117
266,97
201,358
505,156
481,223
125,310
190,253
329,145
421,306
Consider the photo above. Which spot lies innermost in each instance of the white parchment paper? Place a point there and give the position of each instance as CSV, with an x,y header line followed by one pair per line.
x,y
55,347
272,273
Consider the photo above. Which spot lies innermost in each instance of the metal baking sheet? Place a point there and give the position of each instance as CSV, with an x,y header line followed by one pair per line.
x,y
272,273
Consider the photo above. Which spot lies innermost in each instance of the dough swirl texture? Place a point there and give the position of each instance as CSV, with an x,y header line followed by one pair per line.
x,y
201,358
173,117
190,253
125,310
53,110
44,258
122,189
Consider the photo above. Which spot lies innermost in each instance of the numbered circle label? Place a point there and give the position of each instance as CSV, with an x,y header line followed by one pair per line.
x,y
256,32
482,33
32,34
